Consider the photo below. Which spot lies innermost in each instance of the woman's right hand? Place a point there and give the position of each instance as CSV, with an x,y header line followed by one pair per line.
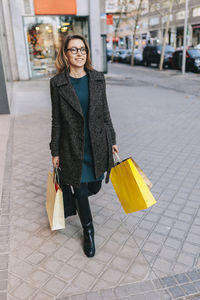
x,y
55,161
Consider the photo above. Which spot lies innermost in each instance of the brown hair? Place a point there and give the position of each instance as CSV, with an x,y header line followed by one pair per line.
x,y
61,59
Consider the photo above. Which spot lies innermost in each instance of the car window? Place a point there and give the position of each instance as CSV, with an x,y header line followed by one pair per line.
x,y
194,53
168,48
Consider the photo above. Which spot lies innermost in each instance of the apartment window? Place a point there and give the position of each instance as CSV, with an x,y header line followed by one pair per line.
x,y
180,15
154,21
196,12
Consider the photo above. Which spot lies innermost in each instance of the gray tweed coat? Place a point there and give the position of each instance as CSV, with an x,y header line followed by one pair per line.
x,y
67,134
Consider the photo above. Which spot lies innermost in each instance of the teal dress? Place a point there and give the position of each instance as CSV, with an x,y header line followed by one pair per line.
x,y
81,88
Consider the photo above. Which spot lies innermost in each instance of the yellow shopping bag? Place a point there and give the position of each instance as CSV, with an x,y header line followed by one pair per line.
x,y
54,204
130,187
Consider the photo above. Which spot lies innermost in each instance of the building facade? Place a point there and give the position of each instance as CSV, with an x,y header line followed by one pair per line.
x,y
31,32
158,14
152,22
39,26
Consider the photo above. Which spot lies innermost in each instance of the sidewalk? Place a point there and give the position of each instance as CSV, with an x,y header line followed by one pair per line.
x,y
139,256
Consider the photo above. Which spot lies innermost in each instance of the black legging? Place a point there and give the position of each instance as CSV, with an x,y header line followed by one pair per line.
x,y
81,198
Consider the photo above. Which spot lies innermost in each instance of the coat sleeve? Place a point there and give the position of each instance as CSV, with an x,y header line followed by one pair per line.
x,y
107,117
56,121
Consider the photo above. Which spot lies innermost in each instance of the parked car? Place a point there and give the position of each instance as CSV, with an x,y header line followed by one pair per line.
x,y
109,54
152,54
119,55
192,60
138,57
124,56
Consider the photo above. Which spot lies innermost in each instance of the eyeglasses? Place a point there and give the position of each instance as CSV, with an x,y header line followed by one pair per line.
x,y
74,50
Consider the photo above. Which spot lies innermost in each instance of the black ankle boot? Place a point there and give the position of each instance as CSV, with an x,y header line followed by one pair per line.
x,y
88,244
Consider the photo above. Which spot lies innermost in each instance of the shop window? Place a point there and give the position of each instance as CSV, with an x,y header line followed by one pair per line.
x,y
44,34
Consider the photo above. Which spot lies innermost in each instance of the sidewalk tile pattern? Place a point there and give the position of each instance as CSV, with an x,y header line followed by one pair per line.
x,y
133,251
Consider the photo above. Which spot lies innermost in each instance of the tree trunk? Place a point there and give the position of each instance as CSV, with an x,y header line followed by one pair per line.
x,y
165,36
135,30
114,46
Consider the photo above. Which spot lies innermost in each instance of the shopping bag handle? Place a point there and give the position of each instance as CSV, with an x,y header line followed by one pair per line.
x,y
56,176
116,158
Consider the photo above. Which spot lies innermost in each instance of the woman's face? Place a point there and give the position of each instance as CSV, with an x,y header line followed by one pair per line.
x,y
76,59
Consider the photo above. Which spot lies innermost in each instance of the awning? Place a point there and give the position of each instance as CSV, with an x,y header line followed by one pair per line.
x,y
196,26
55,7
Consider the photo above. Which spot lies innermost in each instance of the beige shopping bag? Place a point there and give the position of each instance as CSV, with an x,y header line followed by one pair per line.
x,y
54,204
145,178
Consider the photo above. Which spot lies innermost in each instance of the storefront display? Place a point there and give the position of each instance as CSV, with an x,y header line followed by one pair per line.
x,y
43,36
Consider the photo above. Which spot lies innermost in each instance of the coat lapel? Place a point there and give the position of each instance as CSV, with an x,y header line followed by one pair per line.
x,y
68,93
95,89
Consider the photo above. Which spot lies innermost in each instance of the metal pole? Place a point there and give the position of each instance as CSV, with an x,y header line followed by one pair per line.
x,y
185,37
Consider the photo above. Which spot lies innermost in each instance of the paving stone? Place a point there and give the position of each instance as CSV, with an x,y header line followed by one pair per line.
x,y
162,265
127,290
176,233
186,259
196,298
190,248
194,275
197,285
54,286
3,296
38,278
189,289
112,275
107,294
169,281
63,254
3,285
182,278
3,274
3,261
22,269
168,253
35,258
153,295
42,296
94,296
79,297
176,292
84,280
193,238
23,292
67,272
120,263
157,238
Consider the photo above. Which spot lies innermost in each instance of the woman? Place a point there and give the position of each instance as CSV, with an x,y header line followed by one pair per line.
x,y
82,137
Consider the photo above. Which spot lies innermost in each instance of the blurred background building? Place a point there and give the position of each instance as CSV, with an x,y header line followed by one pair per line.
x,y
31,31
152,20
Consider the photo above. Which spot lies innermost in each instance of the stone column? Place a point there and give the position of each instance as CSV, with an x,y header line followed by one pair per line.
x,y
19,38
95,34
173,36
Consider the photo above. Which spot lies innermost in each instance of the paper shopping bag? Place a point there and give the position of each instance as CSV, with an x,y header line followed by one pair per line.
x,y
130,187
54,204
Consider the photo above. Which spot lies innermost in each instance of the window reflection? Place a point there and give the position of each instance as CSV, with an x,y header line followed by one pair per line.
x,y
44,34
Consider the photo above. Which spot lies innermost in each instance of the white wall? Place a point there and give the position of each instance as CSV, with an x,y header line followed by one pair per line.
x,y
19,38
82,7
10,39
95,34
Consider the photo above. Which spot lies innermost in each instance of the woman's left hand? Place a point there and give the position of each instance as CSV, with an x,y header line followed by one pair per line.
x,y
115,149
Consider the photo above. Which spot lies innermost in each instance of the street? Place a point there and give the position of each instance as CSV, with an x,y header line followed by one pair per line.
x,y
151,254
